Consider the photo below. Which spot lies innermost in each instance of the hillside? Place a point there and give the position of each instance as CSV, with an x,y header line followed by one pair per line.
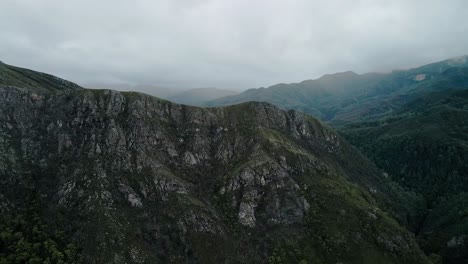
x,y
424,147
29,79
99,176
348,97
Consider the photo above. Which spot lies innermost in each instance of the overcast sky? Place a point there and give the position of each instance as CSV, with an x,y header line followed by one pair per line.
x,y
233,44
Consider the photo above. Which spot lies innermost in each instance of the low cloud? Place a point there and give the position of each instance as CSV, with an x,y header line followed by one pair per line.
x,y
235,44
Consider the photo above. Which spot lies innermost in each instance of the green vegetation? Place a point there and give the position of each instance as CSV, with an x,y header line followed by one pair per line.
x,y
413,125
26,238
424,148
35,81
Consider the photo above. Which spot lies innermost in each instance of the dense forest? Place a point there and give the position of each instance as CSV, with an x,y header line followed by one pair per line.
x,y
424,148
26,238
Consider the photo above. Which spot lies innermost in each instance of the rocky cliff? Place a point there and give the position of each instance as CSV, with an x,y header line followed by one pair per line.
x,y
130,178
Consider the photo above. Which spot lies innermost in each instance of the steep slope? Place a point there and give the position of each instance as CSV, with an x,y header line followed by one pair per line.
x,y
28,79
349,97
115,177
198,97
424,147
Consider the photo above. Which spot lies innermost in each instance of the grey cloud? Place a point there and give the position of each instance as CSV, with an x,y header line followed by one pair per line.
x,y
234,44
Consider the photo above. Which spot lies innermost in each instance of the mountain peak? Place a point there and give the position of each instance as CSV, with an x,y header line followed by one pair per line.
x,y
345,74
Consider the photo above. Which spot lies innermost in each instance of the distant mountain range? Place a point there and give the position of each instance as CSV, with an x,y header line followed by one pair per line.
x,y
195,96
200,96
347,97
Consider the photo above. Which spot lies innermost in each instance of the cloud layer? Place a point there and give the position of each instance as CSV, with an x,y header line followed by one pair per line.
x,y
234,44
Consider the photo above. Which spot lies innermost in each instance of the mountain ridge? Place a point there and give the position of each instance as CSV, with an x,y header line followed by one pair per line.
x,y
339,99
130,178
29,79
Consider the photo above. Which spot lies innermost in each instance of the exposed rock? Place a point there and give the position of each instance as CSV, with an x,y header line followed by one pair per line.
x,y
456,241
150,181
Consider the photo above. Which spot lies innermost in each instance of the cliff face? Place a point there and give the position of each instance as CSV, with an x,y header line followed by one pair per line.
x,y
130,178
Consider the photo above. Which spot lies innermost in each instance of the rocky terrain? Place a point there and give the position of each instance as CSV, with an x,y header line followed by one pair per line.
x,y
99,176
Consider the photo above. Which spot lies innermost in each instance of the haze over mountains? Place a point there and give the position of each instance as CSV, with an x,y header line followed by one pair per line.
x,y
195,96
200,96
226,43
347,96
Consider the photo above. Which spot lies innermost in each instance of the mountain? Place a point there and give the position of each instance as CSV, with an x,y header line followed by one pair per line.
x,y
100,176
36,81
198,97
424,147
348,97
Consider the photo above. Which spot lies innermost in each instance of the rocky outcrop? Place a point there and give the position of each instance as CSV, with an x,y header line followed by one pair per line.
x,y
143,180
